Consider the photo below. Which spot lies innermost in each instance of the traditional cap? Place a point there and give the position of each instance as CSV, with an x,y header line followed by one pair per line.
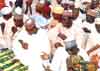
x,y
68,13
91,12
97,20
6,10
70,44
18,11
58,9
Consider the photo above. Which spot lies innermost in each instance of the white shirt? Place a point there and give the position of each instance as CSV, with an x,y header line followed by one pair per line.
x,y
59,60
85,35
93,40
38,43
5,39
76,33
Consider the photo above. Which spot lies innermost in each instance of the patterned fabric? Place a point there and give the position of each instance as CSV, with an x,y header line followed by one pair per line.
x,y
7,63
73,60
76,63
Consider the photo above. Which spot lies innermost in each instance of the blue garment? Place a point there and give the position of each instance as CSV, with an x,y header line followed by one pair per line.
x,y
40,20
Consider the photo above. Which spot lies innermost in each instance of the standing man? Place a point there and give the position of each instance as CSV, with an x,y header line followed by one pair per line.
x,y
6,22
93,44
87,26
19,20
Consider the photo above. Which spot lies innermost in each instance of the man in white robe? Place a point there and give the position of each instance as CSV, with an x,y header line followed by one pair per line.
x,y
6,22
93,43
19,19
31,45
59,59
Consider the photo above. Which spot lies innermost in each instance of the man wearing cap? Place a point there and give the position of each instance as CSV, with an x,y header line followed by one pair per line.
x,y
6,22
32,46
72,31
84,5
19,20
55,25
75,25
73,43
57,12
93,43
87,26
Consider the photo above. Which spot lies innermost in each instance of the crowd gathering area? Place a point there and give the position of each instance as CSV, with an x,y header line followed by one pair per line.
x,y
49,35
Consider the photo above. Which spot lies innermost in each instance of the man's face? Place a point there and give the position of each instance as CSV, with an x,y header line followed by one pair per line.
x,y
66,22
18,22
57,16
30,27
97,26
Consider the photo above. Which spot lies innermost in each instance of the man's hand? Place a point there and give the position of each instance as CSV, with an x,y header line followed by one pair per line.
x,y
44,56
62,36
24,44
14,30
86,30
58,45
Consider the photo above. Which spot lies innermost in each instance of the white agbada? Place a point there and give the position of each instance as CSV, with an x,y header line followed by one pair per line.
x,y
74,33
5,39
80,33
38,43
89,26
93,40
59,60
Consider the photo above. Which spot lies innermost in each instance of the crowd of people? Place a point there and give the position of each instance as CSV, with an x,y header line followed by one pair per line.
x,y
52,35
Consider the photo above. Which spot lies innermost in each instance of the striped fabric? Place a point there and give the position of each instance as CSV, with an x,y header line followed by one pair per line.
x,y
7,63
